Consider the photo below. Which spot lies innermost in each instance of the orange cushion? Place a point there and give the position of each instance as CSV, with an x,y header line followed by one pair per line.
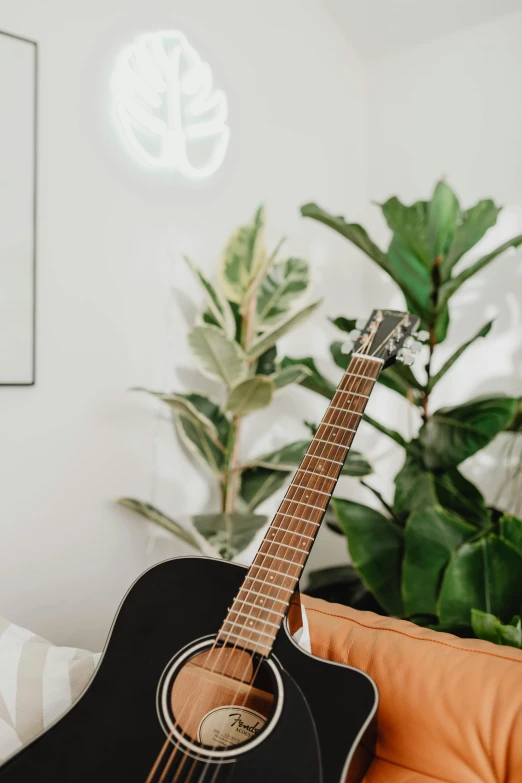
x,y
449,710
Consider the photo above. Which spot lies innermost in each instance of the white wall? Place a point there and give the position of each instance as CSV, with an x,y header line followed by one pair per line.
x,y
451,108
109,237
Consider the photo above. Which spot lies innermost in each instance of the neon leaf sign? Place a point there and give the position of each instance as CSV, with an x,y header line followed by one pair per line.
x,y
167,111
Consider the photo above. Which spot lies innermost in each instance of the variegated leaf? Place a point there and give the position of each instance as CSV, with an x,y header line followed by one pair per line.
x,y
242,258
180,405
229,534
287,375
250,395
216,302
153,514
267,339
217,356
284,285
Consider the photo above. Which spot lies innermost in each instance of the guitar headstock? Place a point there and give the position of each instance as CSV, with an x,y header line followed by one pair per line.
x,y
389,335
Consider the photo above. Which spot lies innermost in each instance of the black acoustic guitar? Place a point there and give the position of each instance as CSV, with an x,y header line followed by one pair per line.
x,y
182,694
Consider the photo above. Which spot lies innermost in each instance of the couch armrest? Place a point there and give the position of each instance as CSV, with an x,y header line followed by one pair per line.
x,y
450,709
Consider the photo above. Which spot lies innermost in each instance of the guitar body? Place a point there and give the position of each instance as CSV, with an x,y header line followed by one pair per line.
x,y
301,722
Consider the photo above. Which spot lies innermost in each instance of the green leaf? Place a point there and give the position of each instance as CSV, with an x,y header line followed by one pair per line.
x,y
159,518
413,277
442,319
452,435
400,379
393,434
488,627
242,258
289,457
266,364
471,227
229,534
453,358
252,394
417,488
197,440
430,537
448,288
410,224
259,483
182,406
216,302
510,529
443,210
355,233
269,338
286,282
344,324
316,382
375,544
515,425
217,356
340,357
294,374
484,574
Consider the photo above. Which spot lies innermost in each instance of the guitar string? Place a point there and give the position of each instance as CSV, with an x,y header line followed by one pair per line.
x,y
329,446
360,413
345,417
345,414
281,544
227,636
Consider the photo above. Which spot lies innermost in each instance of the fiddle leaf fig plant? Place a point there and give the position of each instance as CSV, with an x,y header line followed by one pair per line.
x,y
435,553
255,300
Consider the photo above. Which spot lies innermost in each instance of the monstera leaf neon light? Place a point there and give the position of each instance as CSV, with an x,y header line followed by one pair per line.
x,y
168,113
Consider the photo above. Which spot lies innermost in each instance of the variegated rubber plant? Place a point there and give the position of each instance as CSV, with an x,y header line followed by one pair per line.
x,y
257,298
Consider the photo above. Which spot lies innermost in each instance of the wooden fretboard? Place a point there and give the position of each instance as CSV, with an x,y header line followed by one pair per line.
x,y
263,599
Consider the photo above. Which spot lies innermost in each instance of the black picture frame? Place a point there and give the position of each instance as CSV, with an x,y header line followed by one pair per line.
x,y
35,203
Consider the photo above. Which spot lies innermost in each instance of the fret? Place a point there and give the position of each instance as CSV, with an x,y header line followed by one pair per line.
x,y
339,426
261,608
279,543
308,521
275,557
344,410
318,456
359,377
357,394
300,503
370,358
293,532
310,489
272,571
329,442
263,595
251,618
227,634
264,582
315,473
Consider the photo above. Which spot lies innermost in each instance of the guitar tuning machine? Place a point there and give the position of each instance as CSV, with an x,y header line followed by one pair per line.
x,y
353,336
422,336
406,356
412,345
360,323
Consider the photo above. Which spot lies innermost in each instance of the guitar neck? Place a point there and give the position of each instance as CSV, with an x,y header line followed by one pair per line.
x,y
261,604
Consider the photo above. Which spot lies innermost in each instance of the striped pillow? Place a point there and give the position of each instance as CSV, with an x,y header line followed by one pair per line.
x,y
38,682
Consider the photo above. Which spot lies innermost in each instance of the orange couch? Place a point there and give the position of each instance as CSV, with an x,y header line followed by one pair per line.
x,y
449,710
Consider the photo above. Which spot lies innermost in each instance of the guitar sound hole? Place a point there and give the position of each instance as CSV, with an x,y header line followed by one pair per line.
x,y
220,698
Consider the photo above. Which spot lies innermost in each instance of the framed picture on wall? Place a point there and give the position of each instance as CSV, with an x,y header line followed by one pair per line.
x,y
18,101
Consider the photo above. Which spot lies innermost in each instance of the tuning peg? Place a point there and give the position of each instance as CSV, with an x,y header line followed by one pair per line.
x,y
406,356
360,323
415,347
354,335
347,347
422,336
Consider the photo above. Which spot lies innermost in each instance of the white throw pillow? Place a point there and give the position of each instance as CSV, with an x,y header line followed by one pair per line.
x,y
38,682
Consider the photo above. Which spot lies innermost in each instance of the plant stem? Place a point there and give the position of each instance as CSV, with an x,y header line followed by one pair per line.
x,y
435,281
232,472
